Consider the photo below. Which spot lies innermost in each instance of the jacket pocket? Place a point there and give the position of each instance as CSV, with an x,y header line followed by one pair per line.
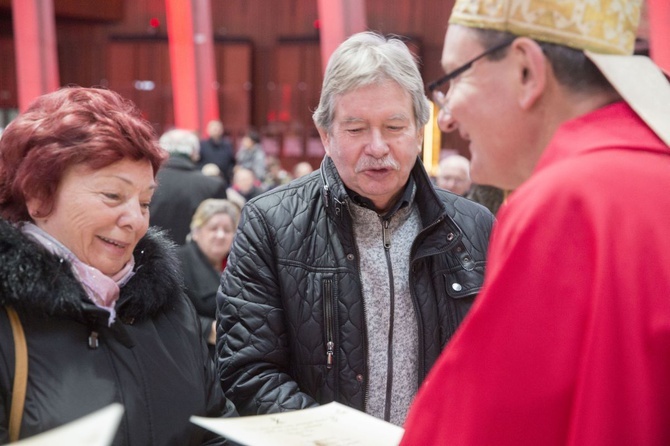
x,y
461,288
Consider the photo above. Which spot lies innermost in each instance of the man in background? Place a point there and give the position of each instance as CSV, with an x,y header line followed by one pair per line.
x,y
181,185
454,174
217,149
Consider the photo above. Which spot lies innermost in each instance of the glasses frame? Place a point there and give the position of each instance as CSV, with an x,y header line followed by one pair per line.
x,y
466,66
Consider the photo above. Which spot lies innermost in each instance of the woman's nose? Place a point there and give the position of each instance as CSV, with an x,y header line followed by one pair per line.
x,y
135,216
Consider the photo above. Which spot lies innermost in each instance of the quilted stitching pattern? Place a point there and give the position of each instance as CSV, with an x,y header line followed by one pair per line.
x,y
272,334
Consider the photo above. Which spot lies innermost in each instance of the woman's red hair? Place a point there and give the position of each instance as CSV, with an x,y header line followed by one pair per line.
x,y
74,125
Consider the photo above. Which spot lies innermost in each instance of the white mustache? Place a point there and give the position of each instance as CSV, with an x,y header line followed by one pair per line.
x,y
372,163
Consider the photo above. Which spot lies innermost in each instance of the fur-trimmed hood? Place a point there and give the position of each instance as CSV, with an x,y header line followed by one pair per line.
x,y
34,280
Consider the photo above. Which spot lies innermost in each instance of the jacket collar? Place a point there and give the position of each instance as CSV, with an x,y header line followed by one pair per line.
x,y
180,162
334,193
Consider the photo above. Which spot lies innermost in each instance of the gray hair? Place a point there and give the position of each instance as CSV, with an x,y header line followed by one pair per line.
x,y
456,161
364,59
211,207
180,142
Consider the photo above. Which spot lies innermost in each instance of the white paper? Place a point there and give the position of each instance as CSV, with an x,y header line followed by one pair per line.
x,y
332,424
95,429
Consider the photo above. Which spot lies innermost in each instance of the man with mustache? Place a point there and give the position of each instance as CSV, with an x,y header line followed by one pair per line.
x,y
345,284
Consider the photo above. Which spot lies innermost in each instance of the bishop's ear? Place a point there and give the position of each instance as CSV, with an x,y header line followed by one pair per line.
x,y
533,69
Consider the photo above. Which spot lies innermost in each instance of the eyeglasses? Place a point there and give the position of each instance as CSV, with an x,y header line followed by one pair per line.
x,y
438,96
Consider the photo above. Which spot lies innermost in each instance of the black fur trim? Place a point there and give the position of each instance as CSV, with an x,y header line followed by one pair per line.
x,y
35,280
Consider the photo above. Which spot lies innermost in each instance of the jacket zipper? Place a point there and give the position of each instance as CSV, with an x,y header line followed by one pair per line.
x,y
413,259
386,236
328,315
389,349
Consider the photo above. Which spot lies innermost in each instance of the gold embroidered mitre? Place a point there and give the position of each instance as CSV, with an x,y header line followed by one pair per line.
x,y
600,26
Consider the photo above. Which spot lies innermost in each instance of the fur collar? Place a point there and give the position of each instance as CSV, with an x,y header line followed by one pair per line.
x,y
34,280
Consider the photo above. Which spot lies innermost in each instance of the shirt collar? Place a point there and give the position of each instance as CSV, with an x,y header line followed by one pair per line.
x,y
405,199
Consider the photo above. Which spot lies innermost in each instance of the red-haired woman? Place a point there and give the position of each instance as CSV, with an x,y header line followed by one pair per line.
x,y
98,293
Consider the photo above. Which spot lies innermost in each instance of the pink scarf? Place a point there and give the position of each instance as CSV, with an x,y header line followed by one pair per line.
x,y
102,290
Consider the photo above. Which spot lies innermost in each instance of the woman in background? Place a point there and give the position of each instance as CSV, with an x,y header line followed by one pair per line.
x,y
204,256
99,295
251,155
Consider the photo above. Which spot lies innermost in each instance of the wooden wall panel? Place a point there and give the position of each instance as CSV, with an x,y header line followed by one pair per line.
x,y
264,21
8,90
282,57
293,95
136,17
81,61
145,77
271,24
140,71
121,75
103,10
234,64
266,24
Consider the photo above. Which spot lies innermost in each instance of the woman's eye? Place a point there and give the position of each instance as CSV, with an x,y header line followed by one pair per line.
x,y
111,196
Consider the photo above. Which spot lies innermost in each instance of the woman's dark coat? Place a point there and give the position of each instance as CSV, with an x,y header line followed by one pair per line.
x,y
152,360
201,281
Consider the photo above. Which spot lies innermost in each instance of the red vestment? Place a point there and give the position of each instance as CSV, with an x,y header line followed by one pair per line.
x,y
569,340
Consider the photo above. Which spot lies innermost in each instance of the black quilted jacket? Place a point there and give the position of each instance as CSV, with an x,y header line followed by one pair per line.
x,y
292,285
152,359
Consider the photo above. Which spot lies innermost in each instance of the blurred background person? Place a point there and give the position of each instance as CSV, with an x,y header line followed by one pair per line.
x,y
275,174
251,156
211,170
181,185
245,183
218,149
204,256
98,294
236,198
454,174
490,196
301,169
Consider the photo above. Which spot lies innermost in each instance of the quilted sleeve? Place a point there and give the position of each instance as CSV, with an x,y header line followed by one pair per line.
x,y
252,336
